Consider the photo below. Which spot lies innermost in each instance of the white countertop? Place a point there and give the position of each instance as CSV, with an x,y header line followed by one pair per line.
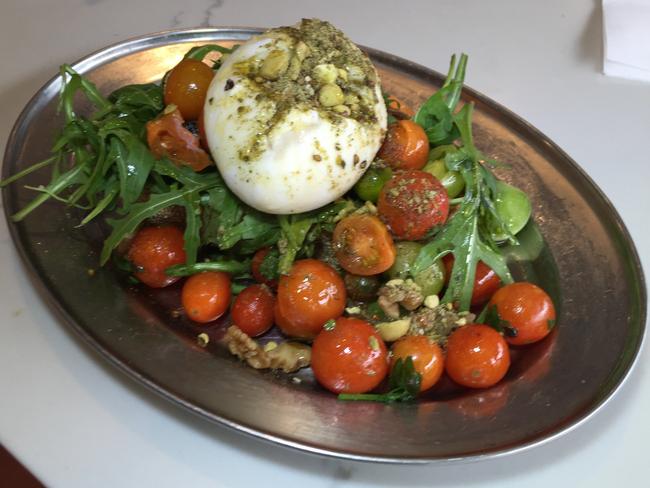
x,y
74,420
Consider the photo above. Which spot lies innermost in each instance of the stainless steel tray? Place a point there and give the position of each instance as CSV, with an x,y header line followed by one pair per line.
x,y
587,262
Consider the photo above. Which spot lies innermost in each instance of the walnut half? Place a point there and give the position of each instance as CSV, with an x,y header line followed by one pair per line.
x,y
288,356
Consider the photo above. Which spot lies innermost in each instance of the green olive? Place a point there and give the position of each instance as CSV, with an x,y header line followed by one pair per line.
x,y
361,288
513,206
407,251
371,183
451,180
432,279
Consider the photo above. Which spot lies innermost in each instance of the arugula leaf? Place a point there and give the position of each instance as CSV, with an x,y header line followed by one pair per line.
x,y
234,267
467,233
435,115
404,383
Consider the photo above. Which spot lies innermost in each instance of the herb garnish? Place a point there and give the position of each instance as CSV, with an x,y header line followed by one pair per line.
x,y
404,383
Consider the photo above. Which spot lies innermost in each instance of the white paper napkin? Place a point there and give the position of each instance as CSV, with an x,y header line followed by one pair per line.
x,y
626,32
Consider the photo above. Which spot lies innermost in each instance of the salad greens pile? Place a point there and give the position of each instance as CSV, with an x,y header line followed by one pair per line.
x,y
101,164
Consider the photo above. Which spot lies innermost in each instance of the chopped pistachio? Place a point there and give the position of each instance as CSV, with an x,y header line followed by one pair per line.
x,y
269,346
330,95
391,331
302,50
202,339
275,64
432,301
343,74
343,110
355,74
325,73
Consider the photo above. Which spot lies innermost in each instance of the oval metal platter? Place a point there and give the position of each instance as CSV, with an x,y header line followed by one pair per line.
x,y
586,261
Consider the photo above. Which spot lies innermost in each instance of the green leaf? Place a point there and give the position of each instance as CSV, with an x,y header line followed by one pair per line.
x,y
200,52
134,162
234,267
192,227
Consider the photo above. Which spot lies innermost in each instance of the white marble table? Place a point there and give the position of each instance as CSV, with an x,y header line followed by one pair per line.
x,y
75,421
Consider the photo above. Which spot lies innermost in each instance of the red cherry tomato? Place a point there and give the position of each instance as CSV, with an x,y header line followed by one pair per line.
x,y
206,296
363,245
167,137
310,295
477,356
153,250
486,281
256,263
528,309
186,87
406,146
412,203
252,310
349,356
426,355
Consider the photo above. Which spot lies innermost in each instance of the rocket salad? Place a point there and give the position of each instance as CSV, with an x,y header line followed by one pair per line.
x,y
395,282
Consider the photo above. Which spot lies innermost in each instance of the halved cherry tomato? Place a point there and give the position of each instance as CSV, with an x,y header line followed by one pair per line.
x,y
412,203
206,296
406,146
363,245
167,137
427,357
256,263
349,356
252,310
153,250
477,356
528,309
310,295
186,87
486,281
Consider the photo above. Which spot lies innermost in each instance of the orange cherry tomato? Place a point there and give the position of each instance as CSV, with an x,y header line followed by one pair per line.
x,y
477,356
363,245
486,281
349,356
412,203
252,310
256,263
186,87
310,295
406,146
153,250
426,355
528,309
206,296
167,137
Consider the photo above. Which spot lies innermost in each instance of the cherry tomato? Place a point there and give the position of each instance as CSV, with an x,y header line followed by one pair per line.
x,y
412,203
206,296
167,137
362,288
477,356
252,310
371,183
256,263
153,250
310,295
486,281
406,146
427,357
186,87
363,245
349,356
528,309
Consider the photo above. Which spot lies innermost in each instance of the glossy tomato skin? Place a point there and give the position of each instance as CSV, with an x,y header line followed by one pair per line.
x,y
412,203
256,263
349,356
252,310
406,145
427,357
186,87
168,137
153,250
310,295
363,245
477,356
528,309
486,281
206,296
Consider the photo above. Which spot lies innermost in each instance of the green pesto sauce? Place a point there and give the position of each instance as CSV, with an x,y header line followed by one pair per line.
x,y
298,87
